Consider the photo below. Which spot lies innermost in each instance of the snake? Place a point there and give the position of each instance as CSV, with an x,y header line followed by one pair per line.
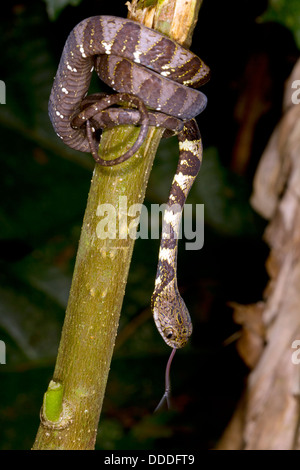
x,y
155,81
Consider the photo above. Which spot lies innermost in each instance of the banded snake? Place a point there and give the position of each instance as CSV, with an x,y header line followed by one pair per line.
x,y
153,76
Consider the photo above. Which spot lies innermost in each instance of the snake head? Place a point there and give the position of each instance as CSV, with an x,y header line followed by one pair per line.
x,y
172,320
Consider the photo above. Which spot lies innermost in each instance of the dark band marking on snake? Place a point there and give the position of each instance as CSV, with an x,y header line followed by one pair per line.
x,y
146,67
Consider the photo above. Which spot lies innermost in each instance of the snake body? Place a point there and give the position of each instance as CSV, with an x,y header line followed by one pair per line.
x,y
156,75
169,310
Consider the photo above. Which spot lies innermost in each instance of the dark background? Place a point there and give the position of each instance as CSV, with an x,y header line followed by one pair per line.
x,y
44,188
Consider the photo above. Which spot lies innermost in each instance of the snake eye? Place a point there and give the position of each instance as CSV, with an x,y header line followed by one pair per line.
x,y
169,333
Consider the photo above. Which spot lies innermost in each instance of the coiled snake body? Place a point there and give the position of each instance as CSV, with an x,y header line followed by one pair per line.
x,y
147,69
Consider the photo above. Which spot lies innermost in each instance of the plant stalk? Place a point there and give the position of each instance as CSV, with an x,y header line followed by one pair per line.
x,y
102,264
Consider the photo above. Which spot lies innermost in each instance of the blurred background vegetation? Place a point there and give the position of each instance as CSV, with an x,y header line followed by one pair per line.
x,y
251,47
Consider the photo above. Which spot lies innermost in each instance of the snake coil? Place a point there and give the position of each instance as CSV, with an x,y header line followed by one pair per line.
x,y
155,77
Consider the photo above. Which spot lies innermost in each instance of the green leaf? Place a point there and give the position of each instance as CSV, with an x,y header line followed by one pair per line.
x,y
54,7
287,13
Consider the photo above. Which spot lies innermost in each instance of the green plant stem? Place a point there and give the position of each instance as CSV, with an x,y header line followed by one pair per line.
x,y
99,281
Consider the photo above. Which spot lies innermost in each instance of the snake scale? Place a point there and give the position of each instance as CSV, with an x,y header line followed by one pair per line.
x,y
156,79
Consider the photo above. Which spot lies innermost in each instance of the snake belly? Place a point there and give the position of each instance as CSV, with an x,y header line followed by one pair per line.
x,y
137,60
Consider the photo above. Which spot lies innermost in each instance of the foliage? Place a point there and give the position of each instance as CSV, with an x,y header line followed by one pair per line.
x,y
286,12
55,7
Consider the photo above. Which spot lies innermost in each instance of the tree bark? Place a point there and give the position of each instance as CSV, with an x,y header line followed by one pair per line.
x,y
267,417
